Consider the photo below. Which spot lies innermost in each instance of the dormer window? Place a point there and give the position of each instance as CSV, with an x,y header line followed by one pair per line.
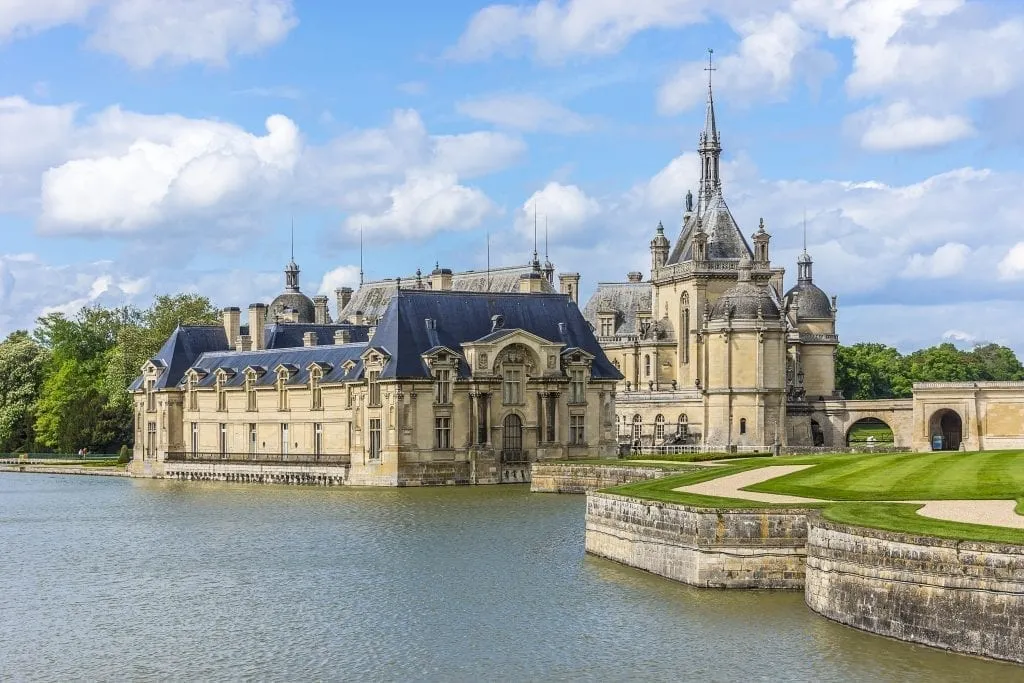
x,y
607,325
218,385
373,385
315,390
443,386
250,390
191,392
577,385
282,389
150,395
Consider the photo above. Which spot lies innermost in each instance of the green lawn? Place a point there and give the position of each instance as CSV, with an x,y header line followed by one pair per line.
x,y
865,478
861,431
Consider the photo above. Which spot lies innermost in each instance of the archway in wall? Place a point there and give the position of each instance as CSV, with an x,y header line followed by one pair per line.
x,y
946,430
817,436
869,431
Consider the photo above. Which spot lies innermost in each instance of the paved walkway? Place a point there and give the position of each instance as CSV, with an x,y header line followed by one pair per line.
x,y
987,512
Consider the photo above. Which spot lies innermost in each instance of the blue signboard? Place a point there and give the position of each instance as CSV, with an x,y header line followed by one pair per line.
x,y
937,442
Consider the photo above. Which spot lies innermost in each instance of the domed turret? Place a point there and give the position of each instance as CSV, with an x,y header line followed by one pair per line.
x,y
811,302
659,249
292,303
745,300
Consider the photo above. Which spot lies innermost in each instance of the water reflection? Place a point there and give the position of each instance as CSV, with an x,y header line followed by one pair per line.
x,y
114,579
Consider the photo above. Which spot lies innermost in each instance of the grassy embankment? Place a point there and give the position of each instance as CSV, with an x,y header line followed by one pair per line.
x,y
853,487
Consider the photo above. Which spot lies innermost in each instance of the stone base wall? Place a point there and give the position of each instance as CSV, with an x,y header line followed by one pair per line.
x,y
310,475
567,478
962,596
701,547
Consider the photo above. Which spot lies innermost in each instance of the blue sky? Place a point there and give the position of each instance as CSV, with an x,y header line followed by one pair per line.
x,y
153,146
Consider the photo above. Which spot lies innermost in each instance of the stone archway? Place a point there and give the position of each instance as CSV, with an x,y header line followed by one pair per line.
x,y
946,430
870,431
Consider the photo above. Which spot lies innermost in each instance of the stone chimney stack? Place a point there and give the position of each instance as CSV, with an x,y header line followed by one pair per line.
x,y
243,343
320,310
232,319
569,283
441,279
635,276
309,339
343,296
257,321
358,318
342,336
531,283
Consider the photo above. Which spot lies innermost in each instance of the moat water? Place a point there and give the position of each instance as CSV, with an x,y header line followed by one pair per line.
x,y
114,579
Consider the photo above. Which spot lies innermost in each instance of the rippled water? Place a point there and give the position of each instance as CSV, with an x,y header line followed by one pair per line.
x,y
113,579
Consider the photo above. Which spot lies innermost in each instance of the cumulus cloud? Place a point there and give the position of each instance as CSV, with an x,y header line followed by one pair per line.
x,y
137,171
524,111
1011,267
342,276
562,209
145,32
898,127
946,261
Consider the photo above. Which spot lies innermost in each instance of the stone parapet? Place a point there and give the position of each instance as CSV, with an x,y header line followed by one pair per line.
x,y
570,478
714,548
311,475
957,595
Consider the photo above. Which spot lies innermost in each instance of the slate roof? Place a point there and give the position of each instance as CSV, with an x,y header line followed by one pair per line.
x,y
725,240
745,300
301,358
286,335
462,317
372,297
811,301
182,349
625,298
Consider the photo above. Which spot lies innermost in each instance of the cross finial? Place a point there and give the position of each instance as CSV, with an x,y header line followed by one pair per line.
x,y
710,67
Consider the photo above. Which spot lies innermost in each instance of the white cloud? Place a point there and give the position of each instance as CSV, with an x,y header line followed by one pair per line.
x,y
427,202
563,209
475,154
555,30
526,112
946,261
960,336
145,32
1011,267
33,134
7,283
413,88
898,127
342,276
135,171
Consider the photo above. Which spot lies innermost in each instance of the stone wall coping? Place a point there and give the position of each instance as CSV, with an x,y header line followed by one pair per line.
x,y
704,510
969,385
815,520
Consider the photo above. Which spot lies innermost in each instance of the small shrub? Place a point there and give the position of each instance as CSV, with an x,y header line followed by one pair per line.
x,y
123,455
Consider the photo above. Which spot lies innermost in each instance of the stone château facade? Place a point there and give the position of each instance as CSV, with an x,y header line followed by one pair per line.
x,y
444,386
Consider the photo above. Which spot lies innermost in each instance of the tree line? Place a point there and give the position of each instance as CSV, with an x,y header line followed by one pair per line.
x,y
64,386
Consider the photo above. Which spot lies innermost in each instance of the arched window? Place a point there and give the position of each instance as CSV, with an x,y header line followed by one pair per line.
x,y
647,365
684,323
659,428
682,425
638,427
743,425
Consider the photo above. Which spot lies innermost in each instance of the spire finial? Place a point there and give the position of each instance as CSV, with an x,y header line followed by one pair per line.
x,y
710,68
805,230
360,257
534,231
293,238
545,237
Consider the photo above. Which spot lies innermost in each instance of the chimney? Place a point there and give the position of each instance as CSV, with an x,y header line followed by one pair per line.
x,y
569,283
257,321
243,343
343,295
531,283
320,310
309,339
232,319
776,280
441,279
342,336
358,318
635,276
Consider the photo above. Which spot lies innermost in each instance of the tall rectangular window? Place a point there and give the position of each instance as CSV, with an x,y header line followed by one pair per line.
x,y
512,386
607,327
373,379
374,438
222,399
318,438
193,395
284,438
223,439
549,418
442,433
150,396
481,418
576,433
282,391
577,386
315,390
195,438
252,438
150,440
250,393
443,387
349,396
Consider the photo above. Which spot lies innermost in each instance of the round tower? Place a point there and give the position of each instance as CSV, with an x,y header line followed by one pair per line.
x,y
659,249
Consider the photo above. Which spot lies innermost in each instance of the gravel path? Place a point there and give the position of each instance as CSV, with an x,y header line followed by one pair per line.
x,y
987,512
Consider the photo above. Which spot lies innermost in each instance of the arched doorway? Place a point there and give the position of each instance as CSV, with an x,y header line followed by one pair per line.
x,y
512,439
869,431
946,430
817,436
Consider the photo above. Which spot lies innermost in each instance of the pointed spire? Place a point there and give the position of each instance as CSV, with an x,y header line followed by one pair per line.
x,y
535,262
291,271
710,128
710,150
803,262
360,257
293,238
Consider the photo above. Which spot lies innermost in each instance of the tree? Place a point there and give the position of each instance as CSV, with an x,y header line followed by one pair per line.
x,y
23,365
942,363
997,363
866,371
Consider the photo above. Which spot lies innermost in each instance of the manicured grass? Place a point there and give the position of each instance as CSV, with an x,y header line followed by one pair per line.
x,y
860,432
989,475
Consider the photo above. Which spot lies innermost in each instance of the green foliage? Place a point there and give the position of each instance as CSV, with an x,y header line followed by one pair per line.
x,y
867,371
23,365
124,455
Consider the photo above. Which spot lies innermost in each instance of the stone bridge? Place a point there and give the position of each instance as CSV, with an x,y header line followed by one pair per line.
x,y
835,418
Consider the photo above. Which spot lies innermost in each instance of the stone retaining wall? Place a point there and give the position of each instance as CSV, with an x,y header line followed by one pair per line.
x,y
310,475
569,478
699,546
957,595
